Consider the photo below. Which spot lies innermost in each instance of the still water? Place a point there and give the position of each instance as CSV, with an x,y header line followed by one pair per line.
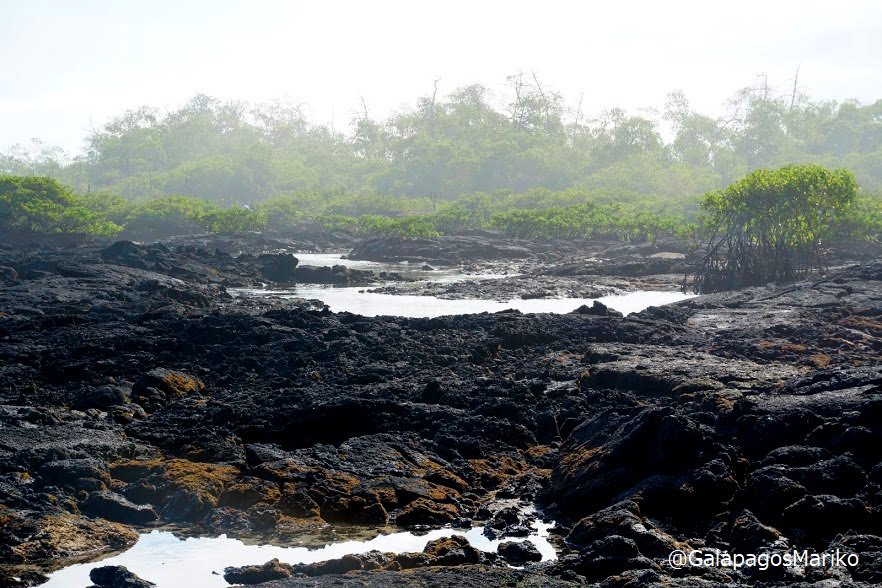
x,y
171,562
358,300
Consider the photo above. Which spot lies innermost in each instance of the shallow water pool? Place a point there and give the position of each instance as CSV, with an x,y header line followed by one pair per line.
x,y
358,301
171,562
413,271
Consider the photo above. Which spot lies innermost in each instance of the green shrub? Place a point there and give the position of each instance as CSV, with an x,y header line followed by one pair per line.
x,y
770,225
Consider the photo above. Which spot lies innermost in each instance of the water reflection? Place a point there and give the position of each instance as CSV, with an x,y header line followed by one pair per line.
x,y
358,301
170,562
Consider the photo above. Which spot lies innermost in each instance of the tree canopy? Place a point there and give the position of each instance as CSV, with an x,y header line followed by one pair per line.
x,y
465,142
523,163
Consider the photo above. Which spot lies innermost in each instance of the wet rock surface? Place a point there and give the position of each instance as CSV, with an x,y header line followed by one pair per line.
x,y
507,269
447,250
271,570
134,391
441,577
519,552
504,282
117,577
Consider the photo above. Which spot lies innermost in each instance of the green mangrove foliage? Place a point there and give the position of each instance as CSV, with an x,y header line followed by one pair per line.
x,y
519,162
42,205
174,215
861,222
771,224
468,141
535,214
591,221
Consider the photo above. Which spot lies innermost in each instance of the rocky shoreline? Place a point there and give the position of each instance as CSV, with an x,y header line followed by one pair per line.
x,y
508,269
135,392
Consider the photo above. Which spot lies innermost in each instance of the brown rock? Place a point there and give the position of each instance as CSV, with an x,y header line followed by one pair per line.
x,y
425,512
160,387
257,574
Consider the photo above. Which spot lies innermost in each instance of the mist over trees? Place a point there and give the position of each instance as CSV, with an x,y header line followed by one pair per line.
x,y
446,146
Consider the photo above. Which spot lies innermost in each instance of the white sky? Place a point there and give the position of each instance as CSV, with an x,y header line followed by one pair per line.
x,y
67,65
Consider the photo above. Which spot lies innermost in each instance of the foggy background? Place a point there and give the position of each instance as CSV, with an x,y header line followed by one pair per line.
x,y
71,67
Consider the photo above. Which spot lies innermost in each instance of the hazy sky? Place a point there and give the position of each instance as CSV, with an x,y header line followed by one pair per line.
x,y
68,65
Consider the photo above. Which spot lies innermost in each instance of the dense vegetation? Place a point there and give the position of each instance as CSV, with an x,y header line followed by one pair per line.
x,y
462,143
530,169
42,205
770,225
536,214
